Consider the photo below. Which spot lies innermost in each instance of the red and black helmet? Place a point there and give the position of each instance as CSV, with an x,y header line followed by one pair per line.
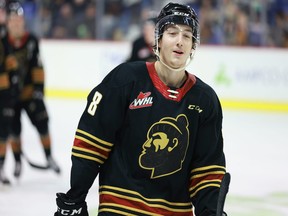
x,y
175,13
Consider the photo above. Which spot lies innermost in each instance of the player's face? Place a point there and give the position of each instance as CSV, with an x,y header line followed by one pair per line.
x,y
155,150
157,142
176,45
16,25
2,16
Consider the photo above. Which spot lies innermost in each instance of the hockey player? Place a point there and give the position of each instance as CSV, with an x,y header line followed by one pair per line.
x,y
153,133
2,18
8,95
142,47
22,57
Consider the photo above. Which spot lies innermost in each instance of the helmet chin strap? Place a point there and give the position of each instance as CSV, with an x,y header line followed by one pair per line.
x,y
175,69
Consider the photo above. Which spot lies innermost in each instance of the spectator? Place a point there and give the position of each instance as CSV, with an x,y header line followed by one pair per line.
x,y
85,23
241,28
277,30
257,31
209,22
222,22
63,22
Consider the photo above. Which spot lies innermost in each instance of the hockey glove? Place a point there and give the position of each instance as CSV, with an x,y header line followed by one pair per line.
x,y
67,206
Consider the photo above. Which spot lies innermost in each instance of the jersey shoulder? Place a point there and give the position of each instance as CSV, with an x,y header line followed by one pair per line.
x,y
32,39
205,90
4,40
3,48
32,36
126,73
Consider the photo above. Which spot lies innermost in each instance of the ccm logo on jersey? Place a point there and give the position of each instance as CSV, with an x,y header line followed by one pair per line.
x,y
142,100
194,107
70,212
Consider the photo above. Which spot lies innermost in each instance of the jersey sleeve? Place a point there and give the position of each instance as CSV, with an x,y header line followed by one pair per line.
x,y
209,160
8,90
97,131
4,79
36,67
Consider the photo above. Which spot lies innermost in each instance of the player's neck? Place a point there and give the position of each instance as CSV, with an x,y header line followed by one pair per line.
x,y
169,77
17,38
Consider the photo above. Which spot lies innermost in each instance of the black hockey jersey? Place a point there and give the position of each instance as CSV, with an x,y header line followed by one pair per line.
x,y
21,64
158,151
141,51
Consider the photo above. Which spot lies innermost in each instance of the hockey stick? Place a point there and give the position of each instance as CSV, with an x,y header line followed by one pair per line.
x,y
34,165
222,194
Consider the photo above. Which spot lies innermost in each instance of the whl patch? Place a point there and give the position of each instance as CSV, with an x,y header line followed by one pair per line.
x,y
142,100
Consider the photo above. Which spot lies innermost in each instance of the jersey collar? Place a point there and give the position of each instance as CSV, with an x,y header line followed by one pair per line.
x,y
167,92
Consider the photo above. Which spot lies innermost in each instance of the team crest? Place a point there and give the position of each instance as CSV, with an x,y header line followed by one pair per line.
x,y
142,100
165,148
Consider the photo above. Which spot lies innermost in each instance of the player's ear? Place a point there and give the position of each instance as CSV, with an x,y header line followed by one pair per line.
x,y
159,43
191,50
191,53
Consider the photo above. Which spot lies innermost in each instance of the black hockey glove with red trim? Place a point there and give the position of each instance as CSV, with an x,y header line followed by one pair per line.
x,y
67,206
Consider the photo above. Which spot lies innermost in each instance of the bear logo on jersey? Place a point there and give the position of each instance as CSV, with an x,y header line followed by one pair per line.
x,y
165,148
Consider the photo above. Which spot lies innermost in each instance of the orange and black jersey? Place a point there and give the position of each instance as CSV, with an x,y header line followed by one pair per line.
x,y
158,151
20,63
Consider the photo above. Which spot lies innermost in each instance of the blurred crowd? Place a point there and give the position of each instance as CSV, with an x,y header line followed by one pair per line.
x,y
222,22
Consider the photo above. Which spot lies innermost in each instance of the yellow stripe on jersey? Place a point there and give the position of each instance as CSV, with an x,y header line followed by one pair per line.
x,y
200,188
95,138
126,191
89,151
207,173
208,167
87,157
93,144
205,182
147,203
204,177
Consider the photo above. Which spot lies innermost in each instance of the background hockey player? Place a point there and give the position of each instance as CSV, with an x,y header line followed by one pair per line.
x,y
22,57
2,18
153,133
142,47
8,95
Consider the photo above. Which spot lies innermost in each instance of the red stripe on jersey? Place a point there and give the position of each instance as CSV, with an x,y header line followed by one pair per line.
x,y
107,199
163,89
85,145
211,177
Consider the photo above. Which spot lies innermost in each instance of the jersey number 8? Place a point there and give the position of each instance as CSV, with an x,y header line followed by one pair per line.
x,y
93,105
